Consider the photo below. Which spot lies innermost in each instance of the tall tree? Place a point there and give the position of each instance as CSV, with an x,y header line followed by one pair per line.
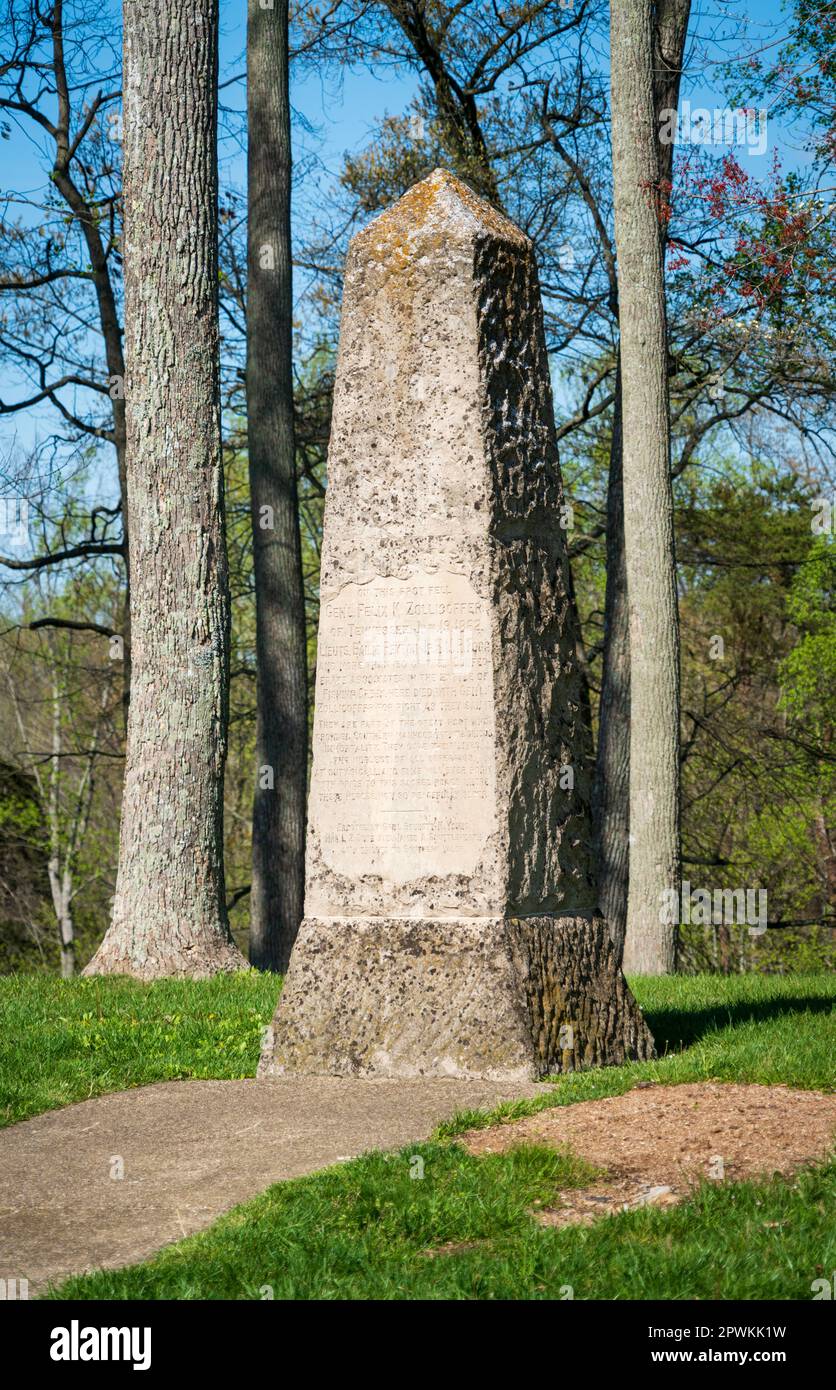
x,y
640,203
169,913
278,880
611,790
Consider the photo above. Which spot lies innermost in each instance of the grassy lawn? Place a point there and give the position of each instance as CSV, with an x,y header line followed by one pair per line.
x,y
68,1040
367,1229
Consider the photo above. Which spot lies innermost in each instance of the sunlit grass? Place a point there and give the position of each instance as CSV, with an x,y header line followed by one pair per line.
x,y
66,1040
466,1230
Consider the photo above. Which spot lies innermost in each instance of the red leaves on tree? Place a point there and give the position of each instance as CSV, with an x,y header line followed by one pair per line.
x,y
773,251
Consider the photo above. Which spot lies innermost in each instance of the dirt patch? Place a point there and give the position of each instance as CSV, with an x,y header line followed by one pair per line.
x,y
582,1206
656,1142
453,1247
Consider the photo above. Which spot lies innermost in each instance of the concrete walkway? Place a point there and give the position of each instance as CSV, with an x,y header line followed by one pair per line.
x,y
189,1151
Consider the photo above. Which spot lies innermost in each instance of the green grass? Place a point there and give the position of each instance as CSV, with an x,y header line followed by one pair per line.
x,y
64,1041
363,1230
67,1040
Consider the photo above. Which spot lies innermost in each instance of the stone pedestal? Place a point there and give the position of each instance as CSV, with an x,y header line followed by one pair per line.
x,y
450,923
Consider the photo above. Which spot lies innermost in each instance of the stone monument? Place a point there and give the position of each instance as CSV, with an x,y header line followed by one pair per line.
x,y
450,918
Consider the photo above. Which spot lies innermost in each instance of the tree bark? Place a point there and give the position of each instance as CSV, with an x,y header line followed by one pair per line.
x,y
580,1008
67,931
823,835
639,198
169,914
670,30
611,785
611,792
278,881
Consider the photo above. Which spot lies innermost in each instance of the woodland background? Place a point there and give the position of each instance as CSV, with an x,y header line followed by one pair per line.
x,y
515,100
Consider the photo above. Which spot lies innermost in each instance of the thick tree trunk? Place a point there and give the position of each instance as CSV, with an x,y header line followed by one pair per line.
x,y
648,499
169,914
569,967
278,882
611,795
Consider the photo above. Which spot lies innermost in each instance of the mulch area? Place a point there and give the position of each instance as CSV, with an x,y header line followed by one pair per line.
x,y
656,1142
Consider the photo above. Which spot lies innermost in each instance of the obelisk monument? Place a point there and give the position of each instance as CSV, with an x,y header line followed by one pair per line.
x,y
450,919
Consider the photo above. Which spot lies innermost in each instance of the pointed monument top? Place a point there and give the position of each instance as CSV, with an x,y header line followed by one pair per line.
x,y
440,204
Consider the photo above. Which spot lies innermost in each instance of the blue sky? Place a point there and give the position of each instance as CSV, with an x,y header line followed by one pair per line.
x,y
345,113
344,110
338,113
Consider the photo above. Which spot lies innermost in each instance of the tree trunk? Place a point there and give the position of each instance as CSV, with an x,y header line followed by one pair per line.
x,y
670,30
67,928
611,793
278,881
654,862
611,786
169,914
60,881
60,889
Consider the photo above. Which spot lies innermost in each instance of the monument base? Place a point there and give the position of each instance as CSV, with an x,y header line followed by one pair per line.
x,y
497,998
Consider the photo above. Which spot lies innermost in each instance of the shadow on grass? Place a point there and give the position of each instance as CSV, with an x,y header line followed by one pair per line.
x,y
675,1029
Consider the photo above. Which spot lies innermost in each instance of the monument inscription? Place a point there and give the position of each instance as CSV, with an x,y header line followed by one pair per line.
x,y
404,747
